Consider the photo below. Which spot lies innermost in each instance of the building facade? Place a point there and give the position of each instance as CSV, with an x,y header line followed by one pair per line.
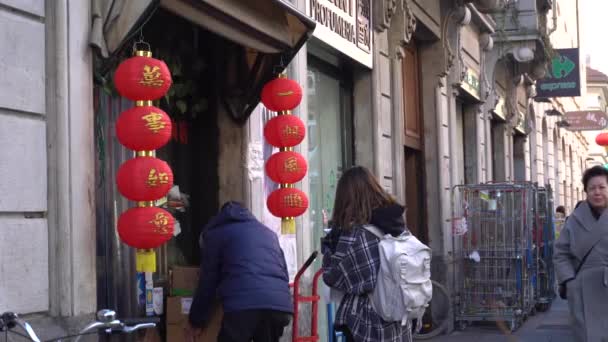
x,y
428,94
48,174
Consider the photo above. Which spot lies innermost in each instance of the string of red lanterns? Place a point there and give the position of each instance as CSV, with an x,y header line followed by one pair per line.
x,y
145,178
285,167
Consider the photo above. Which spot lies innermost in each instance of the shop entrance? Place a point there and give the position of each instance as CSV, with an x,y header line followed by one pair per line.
x,y
193,56
329,137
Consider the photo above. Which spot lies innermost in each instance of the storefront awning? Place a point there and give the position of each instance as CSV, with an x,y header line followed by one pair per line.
x,y
269,26
268,33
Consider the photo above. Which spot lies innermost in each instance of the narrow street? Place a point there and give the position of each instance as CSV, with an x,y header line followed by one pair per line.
x,y
550,326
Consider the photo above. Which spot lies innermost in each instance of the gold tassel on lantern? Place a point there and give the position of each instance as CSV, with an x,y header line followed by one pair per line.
x,y
288,225
145,260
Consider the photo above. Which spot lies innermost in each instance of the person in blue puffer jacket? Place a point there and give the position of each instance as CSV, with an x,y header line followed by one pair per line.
x,y
243,264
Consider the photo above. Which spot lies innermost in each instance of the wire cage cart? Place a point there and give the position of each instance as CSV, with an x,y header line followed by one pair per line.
x,y
543,276
544,240
494,252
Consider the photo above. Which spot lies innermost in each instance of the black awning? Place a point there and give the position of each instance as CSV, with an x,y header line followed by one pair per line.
x,y
267,34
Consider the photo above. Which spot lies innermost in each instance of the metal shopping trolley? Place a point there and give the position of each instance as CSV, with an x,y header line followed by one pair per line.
x,y
494,253
545,238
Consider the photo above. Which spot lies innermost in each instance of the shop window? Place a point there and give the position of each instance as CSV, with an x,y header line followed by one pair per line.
x,y
519,162
498,150
329,139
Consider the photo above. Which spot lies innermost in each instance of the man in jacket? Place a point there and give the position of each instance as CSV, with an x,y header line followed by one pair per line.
x,y
243,264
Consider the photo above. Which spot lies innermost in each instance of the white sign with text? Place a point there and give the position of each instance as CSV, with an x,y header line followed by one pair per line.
x,y
345,25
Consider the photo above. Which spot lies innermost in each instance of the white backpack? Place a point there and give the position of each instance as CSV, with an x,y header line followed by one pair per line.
x,y
404,288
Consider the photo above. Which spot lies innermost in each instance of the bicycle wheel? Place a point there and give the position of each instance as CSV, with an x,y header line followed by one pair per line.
x,y
437,315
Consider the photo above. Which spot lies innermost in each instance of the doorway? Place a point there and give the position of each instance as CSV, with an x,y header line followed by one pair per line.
x,y
414,193
413,138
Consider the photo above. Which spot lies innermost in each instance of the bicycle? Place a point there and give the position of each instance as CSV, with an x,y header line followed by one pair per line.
x,y
106,323
437,314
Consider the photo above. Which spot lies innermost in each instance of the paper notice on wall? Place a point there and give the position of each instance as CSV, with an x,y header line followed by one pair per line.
x,y
459,226
289,246
186,304
255,161
492,205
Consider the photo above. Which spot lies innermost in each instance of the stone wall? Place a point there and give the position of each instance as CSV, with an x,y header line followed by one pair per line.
x,y
23,167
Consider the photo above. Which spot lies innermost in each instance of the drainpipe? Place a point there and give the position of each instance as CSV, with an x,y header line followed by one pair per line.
x,y
555,17
578,28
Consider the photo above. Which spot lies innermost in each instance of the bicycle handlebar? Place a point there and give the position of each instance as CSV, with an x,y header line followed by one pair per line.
x,y
9,320
107,321
141,320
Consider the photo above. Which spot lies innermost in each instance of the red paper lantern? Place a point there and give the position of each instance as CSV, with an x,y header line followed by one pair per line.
x,y
281,94
145,228
143,128
284,131
287,202
142,78
286,167
602,139
144,179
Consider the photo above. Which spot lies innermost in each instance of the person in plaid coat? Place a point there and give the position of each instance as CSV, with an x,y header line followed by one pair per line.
x,y
351,258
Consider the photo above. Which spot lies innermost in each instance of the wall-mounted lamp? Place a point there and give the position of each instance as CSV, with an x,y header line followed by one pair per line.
x,y
523,54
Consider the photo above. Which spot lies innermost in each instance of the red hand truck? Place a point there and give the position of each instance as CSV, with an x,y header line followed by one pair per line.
x,y
313,299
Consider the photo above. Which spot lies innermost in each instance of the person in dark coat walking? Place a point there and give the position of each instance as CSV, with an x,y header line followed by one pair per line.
x,y
581,260
351,258
243,264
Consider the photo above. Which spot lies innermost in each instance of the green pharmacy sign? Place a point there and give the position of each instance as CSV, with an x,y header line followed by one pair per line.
x,y
563,76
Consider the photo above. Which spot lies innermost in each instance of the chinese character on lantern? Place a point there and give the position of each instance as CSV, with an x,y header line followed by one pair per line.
x,y
293,200
291,131
161,222
151,77
155,177
291,164
154,121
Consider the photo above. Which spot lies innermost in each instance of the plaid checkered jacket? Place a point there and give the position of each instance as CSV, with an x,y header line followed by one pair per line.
x,y
351,261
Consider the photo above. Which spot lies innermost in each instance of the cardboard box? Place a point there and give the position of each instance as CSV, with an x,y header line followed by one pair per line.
x,y
184,280
177,320
178,309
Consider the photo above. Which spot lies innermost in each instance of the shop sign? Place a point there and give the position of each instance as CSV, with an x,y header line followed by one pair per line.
x,y
500,109
471,83
344,25
521,122
563,77
590,120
